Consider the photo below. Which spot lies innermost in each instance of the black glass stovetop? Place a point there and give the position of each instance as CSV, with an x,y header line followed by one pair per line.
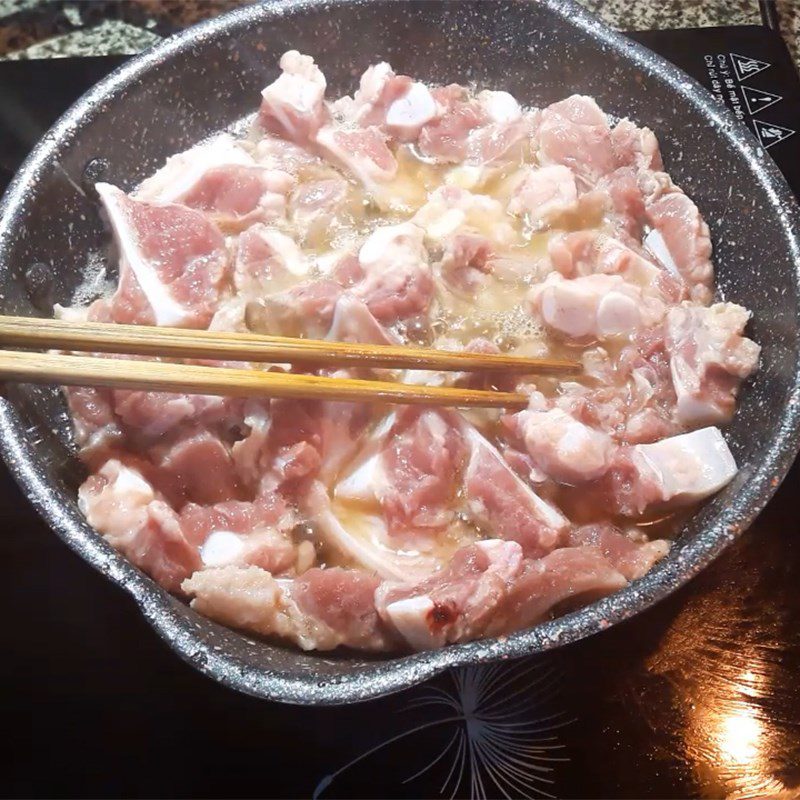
x,y
698,697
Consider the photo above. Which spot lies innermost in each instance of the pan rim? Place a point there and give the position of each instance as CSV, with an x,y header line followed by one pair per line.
x,y
394,674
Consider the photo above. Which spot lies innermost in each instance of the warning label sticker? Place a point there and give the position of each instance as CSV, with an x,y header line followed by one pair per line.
x,y
726,75
771,134
746,67
757,99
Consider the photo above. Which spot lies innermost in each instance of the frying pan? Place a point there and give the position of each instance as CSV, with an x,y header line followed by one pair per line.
x,y
208,78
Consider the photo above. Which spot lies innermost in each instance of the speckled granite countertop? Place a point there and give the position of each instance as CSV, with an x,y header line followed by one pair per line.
x,y
52,28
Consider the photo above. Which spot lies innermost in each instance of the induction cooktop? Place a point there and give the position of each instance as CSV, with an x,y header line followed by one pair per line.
x,y
697,697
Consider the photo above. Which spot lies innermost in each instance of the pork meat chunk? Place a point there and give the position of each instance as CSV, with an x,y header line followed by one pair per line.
x,y
293,106
709,358
173,262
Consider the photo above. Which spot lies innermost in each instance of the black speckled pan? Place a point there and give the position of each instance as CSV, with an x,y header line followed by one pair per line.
x,y
206,78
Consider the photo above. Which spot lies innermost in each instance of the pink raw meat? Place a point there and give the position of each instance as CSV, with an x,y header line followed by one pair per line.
x,y
197,467
135,520
421,466
575,133
250,598
566,574
502,502
457,603
466,261
398,281
709,358
293,105
173,265
266,260
447,136
631,555
361,151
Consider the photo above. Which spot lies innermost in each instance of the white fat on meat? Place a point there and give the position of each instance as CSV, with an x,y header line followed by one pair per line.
x,y
362,537
687,468
563,448
166,309
362,152
183,171
500,500
372,86
709,357
451,209
249,598
293,105
544,194
266,260
119,507
409,112
397,280
500,106
320,610
592,307
392,244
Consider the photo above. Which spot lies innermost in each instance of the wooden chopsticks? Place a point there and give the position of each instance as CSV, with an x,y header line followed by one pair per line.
x,y
182,343
187,378
74,370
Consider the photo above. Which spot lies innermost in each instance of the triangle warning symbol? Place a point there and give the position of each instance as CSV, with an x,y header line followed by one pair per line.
x,y
757,99
746,67
770,134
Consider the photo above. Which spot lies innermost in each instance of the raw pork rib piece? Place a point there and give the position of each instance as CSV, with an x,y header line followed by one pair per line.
x,y
320,610
575,133
440,216
173,264
632,555
396,103
135,520
709,359
683,240
562,447
673,472
292,107
223,180
503,503
593,307
456,604
476,130
363,152
545,194
397,280
413,473
267,259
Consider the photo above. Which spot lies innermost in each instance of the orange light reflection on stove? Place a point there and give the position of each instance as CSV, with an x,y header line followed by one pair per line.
x,y
731,736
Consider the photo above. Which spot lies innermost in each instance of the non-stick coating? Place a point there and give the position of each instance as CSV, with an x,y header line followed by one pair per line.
x,y
210,76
